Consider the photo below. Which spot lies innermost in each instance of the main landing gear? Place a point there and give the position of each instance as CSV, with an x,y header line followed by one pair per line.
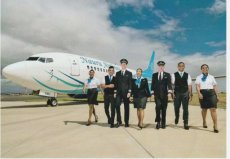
x,y
52,101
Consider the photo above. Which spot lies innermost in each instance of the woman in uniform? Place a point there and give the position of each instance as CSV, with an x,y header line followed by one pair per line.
x,y
208,95
91,84
140,92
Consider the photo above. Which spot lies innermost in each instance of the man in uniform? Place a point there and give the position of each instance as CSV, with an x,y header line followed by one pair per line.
x,y
108,85
123,91
161,86
183,92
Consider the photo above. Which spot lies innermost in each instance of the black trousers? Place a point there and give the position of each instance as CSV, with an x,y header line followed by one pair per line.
x,y
109,100
119,99
161,107
181,98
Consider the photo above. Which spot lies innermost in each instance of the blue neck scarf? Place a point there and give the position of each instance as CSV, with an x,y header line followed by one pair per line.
x,y
204,77
138,82
89,80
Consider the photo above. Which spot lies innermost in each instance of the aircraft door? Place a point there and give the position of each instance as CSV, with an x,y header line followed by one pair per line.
x,y
75,67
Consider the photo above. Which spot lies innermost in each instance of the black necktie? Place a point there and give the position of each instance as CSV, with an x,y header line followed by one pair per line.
x,y
160,77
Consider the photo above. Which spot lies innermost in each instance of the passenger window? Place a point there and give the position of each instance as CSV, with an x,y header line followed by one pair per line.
x,y
42,59
101,69
88,67
91,67
49,60
97,69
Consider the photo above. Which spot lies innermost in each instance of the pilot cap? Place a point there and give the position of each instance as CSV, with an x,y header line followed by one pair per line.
x,y
124,61
160,63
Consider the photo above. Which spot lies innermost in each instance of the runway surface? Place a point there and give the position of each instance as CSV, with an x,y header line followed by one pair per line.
x,y
30,129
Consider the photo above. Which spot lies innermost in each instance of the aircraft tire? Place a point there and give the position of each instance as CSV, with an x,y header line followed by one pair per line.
x,y
53,102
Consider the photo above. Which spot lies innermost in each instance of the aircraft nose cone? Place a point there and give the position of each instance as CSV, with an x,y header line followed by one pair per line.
x,y
15,72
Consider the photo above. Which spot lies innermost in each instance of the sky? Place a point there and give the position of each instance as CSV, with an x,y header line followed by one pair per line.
x,y
177,30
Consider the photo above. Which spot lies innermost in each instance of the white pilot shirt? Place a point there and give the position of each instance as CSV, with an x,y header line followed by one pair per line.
x,y
93,83
208,84
189,80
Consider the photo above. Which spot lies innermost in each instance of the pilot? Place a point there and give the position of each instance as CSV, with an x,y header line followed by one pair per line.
x,y
183,93
208,95
161,86
108,84
123,86
91,84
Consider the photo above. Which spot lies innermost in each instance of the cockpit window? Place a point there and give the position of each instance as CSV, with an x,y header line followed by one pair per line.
x,y
32,59
42,59
49,60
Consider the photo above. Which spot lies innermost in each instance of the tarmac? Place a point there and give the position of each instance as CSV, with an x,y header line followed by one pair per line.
x,y
31,129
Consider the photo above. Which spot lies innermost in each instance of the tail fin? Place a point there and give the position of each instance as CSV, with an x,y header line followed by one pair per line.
x,y
148,72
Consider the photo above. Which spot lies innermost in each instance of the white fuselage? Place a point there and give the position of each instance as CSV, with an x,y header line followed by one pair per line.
x,y
56,72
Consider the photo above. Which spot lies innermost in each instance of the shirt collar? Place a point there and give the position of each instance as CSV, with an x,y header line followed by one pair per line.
x,y
137,78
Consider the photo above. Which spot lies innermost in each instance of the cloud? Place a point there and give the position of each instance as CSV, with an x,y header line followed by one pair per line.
x,y
84,28
216,44
168,28
218,7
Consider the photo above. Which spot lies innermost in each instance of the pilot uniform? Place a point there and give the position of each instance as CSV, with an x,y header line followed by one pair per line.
x,y
123,86
161,86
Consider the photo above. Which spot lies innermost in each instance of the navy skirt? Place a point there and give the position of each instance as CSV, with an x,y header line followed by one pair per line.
x,y
209,99
92,96
140,102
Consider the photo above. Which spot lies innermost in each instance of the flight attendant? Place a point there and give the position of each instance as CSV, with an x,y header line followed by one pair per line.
x,y
108,85
91,84
160,88
183,93
208,95
122,91
140,92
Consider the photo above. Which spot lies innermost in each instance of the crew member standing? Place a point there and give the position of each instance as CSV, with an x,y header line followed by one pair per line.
x,y
208,95
183,92
91,84
122,91
108,85
161,87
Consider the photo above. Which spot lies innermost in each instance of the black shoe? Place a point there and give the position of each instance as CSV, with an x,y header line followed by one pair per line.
x,y
88,123
112,126
163,126
158,126
176,121
117,125
126,125
186,127
215,130
140,126
96,118
205,126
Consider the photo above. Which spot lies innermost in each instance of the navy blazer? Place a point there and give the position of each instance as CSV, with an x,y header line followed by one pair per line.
x,y
142,91
123,84
161,87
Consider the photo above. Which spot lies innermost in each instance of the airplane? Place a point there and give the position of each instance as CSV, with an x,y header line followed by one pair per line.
x,y
51,73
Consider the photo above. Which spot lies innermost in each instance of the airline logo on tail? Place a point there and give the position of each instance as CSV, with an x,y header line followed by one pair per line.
x,y
148,72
